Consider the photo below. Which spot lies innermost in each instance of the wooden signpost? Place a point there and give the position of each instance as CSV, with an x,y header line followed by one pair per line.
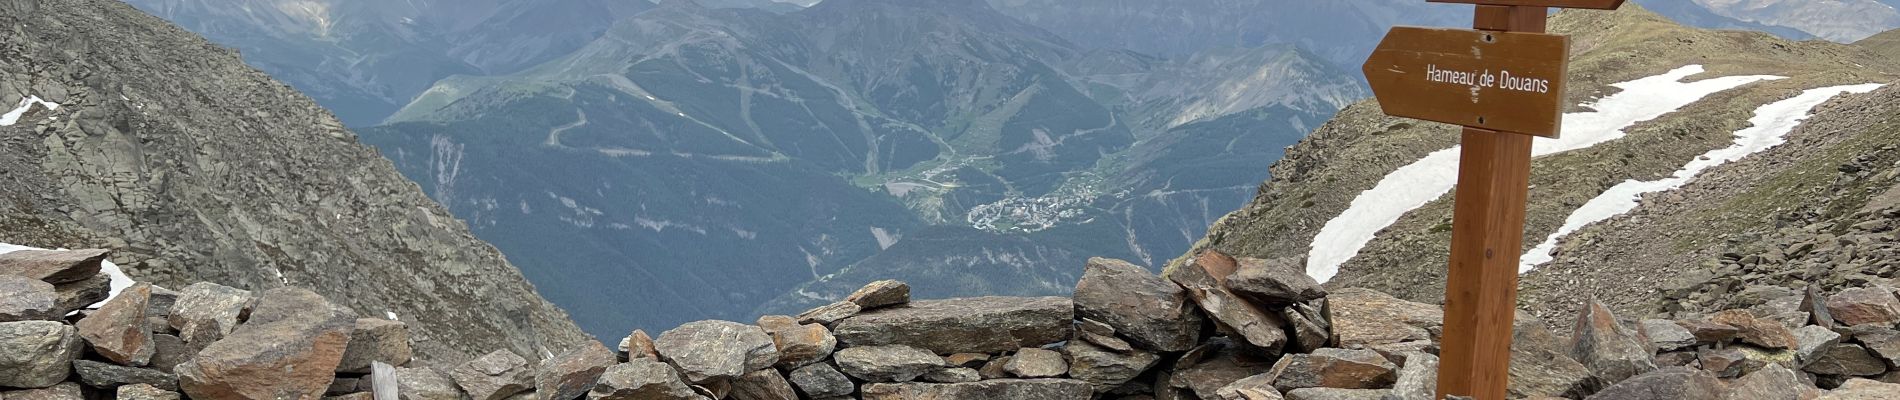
x,y
1458,77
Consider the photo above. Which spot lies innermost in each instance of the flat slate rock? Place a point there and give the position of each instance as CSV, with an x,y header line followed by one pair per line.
x,y
494,376
967,325
1867,305
573,372
1363,317
642,379
1147,309
1679,383
290,347
1276,281
888,363
821,380
62,391
1334,368
53,266
1104,368
880,294
1013,389
107,376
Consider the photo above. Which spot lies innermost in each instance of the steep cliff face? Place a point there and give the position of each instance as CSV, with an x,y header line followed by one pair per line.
x,y
1326,175
199,168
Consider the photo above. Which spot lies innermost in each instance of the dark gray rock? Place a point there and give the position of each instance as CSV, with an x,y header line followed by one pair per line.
x,y
53,266
1611,350
107,376
968,325
1847,360
61,391
1309,324
1666,335
887,363
708,351
1679,383
821,380
1363,317
36,354
79,295
573,372
1334,368
1204,279
1815,304
1278,281
880,294
168,351
376,340
27,299
494,376
1150,311
205,312
641,379
118,330
426,384
1214,365
1104,368
1014,389
290,347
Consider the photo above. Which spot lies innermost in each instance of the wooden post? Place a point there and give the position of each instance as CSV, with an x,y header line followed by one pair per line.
x,y
1486,241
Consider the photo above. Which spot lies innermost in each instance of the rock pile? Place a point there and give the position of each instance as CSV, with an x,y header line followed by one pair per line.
x,y
1221,328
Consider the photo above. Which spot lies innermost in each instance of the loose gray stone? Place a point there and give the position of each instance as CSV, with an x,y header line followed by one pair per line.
x,y
425,384
572,373
1772,382
205,312
144,392
821,380
953,375
765,384
36,354
1334,368
642,379
1203,279
1811,340
1612,351
1335,394
27,299
716,350
1013,389
1847,360
1278,281
969,325
53,266
290,347
1418,380
107,376
830,314
1036,363
888,363
880,294
1106,369
118,331
1150,311
374,340
1666,335
1680,383
494,376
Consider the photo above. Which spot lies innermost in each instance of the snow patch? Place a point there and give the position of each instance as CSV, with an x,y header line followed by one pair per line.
x,y
1771,125
119,280
391,315
13,117
1411,186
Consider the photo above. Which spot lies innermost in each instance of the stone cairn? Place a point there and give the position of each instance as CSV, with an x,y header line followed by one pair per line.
x,y
1219,328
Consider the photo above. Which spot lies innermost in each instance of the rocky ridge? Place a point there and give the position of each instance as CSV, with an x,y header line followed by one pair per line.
x,y
194,167
1220,328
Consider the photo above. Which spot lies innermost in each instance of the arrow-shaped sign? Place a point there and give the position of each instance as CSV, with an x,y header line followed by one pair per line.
x,y
1590,4
1500,81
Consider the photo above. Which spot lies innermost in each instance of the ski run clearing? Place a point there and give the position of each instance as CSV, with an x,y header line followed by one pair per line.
x,y
1771,125
1430,178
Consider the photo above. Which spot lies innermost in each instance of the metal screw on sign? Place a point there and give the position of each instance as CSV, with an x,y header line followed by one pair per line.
x,y
1503,81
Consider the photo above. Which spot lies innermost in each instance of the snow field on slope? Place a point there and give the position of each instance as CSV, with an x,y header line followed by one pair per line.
x,y
1771,125
1414,185
13,117
119,280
